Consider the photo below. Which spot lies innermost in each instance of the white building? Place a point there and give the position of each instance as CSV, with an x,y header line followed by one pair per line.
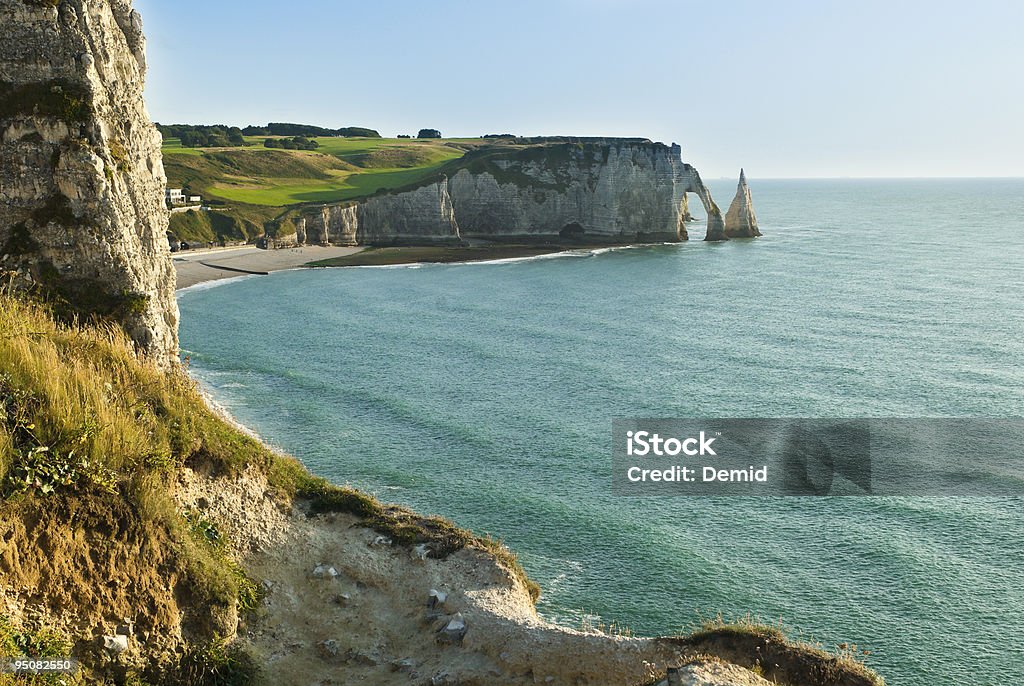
x,y
176,197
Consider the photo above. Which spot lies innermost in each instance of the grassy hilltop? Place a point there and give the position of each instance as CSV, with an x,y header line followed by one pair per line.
x,y
251,188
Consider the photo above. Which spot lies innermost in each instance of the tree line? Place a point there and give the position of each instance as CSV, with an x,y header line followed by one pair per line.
x,y
222,136
199,136
295,143
308,130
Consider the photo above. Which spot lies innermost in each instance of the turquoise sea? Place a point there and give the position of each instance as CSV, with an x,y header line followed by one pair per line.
x,y
486,392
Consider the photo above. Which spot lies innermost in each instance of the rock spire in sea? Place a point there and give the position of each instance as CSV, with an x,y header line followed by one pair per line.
x,y
740,220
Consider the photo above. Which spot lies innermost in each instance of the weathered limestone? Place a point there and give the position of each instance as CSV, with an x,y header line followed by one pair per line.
x,y
611,191
423,216
82,214
328,225
417,217
740,221
604,191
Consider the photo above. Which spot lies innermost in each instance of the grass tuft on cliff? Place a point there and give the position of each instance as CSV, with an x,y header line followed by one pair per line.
x,y
768,650
91,444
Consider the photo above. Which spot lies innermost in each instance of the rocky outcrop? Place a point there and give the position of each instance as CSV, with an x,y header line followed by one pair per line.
x,y
328,225
612,191
740,221
598,191
82,216
417,217
423,216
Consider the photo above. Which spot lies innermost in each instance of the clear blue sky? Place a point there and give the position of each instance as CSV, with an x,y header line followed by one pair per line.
x,y
791,88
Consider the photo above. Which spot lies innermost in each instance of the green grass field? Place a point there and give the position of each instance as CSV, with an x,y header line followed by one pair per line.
x,y
340,169
173,146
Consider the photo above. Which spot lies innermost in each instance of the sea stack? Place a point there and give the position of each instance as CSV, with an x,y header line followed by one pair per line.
x,y
82,215
740,220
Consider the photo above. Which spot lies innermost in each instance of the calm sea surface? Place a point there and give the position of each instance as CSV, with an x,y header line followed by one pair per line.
x,y
485,393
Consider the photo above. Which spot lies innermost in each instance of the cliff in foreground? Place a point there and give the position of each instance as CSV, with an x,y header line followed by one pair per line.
x,y
152,540
82,218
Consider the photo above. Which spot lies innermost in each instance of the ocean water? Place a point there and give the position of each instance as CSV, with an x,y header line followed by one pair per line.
x,y
485,393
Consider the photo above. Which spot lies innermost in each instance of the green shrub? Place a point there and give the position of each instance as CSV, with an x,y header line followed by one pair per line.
x,y
67,101
217,664
42,642
119,154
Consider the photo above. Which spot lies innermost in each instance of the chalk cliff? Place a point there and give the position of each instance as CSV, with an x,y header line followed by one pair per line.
x,y
614,191
740,221
611,191
422,216
82,216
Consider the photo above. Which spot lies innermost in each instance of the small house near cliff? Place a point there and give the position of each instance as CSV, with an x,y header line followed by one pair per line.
x,y
175,197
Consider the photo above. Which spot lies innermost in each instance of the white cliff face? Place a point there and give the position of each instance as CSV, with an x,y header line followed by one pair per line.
x,y
417,217
613,191
329,225
82,214
740,220
602,193
423,216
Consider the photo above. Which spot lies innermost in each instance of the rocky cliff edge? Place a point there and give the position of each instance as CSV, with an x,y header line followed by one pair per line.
x,y
82,216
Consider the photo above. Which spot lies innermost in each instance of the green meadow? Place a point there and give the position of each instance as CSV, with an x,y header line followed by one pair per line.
x,y
340,169
174,146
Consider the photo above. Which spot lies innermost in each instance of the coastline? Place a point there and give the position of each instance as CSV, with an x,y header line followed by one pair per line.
x,y
414,614
201,267
481,252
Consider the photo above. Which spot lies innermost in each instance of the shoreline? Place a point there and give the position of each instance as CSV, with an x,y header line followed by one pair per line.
x,y
400,603
202,267
396,256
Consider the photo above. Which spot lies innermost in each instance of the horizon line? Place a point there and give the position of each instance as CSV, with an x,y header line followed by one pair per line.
x,y
873,178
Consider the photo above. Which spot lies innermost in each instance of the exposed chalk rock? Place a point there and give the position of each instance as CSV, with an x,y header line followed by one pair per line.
x,y
417,217
423,216
436,598
454,630
421,551
82,212
115,645
324,571
740,221
613,191
596,191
